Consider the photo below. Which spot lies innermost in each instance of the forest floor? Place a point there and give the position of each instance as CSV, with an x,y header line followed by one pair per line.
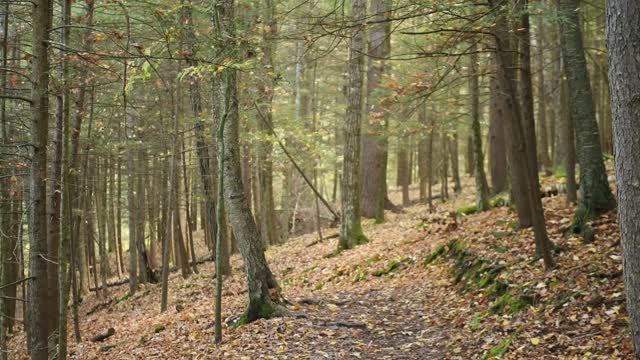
x,y
483,295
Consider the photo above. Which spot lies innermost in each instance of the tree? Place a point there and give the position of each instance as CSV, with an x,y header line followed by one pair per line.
x,y
264,152
595,195
497,145
482,188
350,227
259,277
374,138
623,40
37,321
524,175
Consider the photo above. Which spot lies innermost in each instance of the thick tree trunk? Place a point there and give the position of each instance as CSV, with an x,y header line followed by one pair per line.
x,y
595,194
350,228
623,40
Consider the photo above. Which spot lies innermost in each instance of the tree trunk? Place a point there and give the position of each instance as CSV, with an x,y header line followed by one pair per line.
x,y
595,194
259,277
455,166
482,188
497,147
517,145
37,299
266,203
131,208
374,139
543,145
350,228
444,177
623,43
423,150
403,171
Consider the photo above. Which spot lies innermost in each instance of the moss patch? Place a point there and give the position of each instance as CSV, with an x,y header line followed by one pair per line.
x,y
499,350
392,267
439,251
159,328
496,201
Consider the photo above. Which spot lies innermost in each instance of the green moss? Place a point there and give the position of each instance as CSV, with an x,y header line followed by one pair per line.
x,y
263,310
467,210
496,289
434,255
486,280
560,173
476,321
360,276
499,350
320,285
124,298
393,266
159,328
496,201
512,304
373,259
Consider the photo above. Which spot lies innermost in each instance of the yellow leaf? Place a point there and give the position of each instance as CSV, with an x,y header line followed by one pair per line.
x,y
535,341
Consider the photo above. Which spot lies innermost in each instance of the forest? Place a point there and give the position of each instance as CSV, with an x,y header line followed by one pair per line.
x,y
319,179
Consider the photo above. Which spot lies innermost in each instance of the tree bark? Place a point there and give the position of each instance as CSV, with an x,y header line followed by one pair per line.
x,y
543,144
374,140
623,43
595,195
350,227
517,145
37,321
497,146
482,188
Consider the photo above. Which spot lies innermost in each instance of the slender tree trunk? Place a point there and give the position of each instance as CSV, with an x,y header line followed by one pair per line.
x,y
623,40
517,145
543,145
455,166
266,204
482,188
567,149
259,276
497,146
187,211
37,325
444,176
423,149
403,172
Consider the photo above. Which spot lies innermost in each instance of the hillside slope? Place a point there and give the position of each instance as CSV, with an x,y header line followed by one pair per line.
x,y
427,286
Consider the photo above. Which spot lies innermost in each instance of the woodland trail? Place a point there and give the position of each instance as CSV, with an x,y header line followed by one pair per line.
x,y
382,301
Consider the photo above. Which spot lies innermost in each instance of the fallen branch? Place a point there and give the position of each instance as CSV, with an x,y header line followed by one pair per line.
x,y
346,324
318,241
103,336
